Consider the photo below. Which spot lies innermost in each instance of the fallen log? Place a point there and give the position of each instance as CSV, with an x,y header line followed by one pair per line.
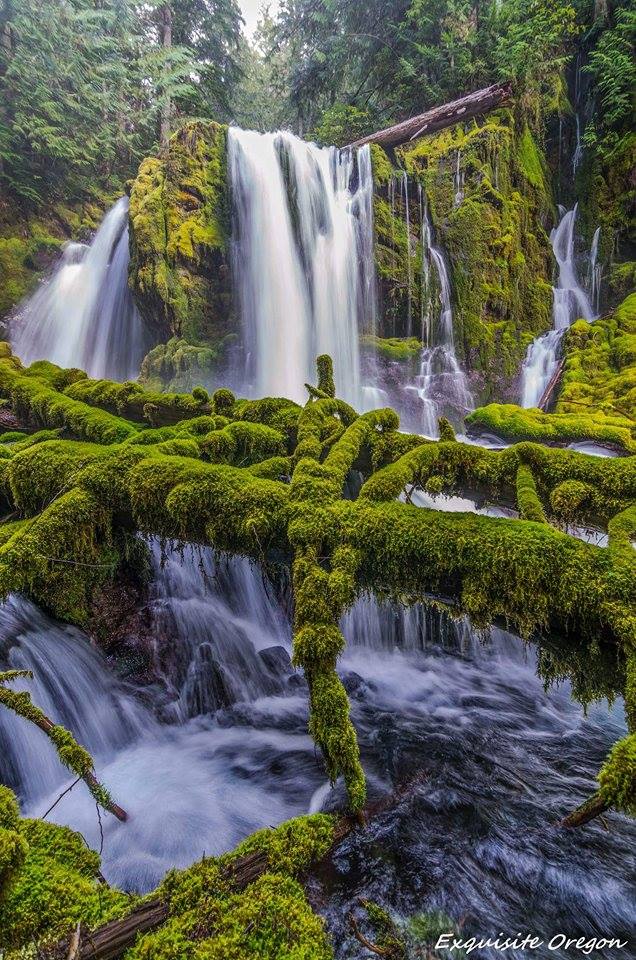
x,y
473,104
110,941
546,396
594,807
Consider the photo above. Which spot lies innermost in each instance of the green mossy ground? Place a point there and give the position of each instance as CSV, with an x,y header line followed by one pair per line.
x,y
600,365
179,222
495,241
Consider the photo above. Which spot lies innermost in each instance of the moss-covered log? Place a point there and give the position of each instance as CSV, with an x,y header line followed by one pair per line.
x,y
265,479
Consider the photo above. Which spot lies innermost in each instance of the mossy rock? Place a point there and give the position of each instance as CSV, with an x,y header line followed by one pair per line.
x,y
179,222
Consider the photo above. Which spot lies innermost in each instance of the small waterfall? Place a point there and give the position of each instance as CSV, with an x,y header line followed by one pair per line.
x,y
409,270
595,273
441,383
459,180
302,260
224,619
577,156
570,302
84,316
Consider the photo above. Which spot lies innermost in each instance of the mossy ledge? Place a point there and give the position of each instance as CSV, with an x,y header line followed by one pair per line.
x,y
265,479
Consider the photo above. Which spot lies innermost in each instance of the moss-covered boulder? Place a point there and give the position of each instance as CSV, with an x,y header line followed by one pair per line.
x,y
486,188
179,228
600,365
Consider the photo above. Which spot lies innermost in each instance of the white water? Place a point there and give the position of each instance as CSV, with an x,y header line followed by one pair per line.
x,y
84,315
570,302
595,273
302,259
441,384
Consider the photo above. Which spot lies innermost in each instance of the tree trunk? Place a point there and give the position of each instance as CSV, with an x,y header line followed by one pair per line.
x,y
165,20
546,396
481,101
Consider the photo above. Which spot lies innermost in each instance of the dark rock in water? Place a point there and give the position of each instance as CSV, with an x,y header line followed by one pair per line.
x,y
208,687
354,684
277,660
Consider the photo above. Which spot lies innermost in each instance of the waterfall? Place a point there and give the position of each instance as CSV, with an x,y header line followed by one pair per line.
x,y
84,316
570,302
213,746
577,156
441,383
302,258
595,273
409,271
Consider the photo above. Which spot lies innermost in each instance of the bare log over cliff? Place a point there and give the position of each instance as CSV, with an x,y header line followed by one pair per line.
x,y
480,101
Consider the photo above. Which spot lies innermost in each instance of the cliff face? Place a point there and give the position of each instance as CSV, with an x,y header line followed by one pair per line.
x,y
489,202
179,218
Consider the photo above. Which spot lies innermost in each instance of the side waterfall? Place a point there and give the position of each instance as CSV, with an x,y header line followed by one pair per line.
x,y
302,259
441,383
84,316
570,303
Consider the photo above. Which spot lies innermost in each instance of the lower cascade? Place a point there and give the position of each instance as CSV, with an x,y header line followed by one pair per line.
x,y
570,302
216,746
84,316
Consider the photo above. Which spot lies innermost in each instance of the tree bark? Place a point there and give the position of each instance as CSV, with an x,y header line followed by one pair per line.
x,y
480,101
165,19
549,390
594,807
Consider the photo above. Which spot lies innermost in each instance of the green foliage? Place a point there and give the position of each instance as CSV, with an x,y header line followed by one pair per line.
x,y
612,69
600,365
342,124
52,885
393,348
83,85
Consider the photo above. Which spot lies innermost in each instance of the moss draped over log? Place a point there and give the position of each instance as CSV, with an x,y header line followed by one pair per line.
x,y
265,479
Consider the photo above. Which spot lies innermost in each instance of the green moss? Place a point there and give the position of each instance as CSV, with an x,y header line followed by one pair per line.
x,y
179,228
600,365
393,348
54,885
177,365
617,778
527,498
510,422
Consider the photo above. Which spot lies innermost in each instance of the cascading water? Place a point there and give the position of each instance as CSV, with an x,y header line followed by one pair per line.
x,y
427,693
84,316
302,259
441,384
569,304
595,273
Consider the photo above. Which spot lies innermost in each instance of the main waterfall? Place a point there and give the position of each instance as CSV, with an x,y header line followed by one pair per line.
x,y
302,259
84,316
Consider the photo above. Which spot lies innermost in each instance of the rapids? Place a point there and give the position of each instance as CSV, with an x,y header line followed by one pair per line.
x,y
217,746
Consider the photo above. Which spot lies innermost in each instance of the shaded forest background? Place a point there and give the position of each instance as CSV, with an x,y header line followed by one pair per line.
x,y
90,87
